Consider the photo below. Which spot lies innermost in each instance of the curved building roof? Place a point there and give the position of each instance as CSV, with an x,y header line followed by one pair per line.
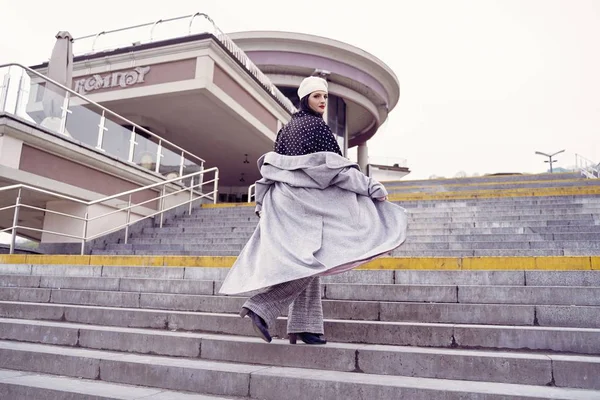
x,y
369,87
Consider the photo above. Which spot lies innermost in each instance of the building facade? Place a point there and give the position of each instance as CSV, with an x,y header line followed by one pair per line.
x,y
138,113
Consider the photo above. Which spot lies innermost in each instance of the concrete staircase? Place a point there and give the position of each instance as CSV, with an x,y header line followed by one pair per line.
x,y
484,217
453,314
110,332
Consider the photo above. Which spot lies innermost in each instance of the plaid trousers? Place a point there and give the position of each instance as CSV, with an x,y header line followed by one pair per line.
x,y
303,296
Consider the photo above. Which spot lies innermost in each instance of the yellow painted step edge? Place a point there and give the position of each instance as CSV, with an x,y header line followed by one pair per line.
x,y
499,193
564,263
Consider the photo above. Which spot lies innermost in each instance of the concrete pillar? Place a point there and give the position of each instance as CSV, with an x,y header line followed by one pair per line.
x,y
10,151
363,156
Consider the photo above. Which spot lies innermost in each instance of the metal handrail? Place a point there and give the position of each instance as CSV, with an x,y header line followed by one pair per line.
x,y
194,195
43,191
104,109
587,168
229,44
251,195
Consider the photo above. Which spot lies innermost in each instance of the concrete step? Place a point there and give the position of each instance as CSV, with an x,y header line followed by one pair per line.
x,y
188,247
422,212
417,304
176,279
500,204
579,183
407,246
498,337
480,278
208,240
416,218
122,284
396,253
479,179
241,226
492,366
500,201
260,382
168,230
550,295
198,280
420,237
19,385
427,286
205,253
484,253
556,295
542,230
216,234
541,201
584,224
189,223
514,210
197,376
531,237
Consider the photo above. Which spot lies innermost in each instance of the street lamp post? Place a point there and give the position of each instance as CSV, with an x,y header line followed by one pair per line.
x,y
550,161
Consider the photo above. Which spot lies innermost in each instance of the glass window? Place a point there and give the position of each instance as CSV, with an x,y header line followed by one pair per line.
x,y
336,119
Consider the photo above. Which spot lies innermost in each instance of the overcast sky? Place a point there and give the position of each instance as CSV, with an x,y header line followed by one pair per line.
x,y
484,83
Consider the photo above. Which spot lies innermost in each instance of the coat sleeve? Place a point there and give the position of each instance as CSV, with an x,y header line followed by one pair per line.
x,y
353,180
262,187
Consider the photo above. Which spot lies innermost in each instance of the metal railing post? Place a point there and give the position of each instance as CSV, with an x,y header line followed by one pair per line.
x,y
19,90
63,116
4,90
128,219
13,238
152,29
95,39
132,144
216,187
101,129
191,195
161,203
253,186
84,236
201,177
181,163
158,156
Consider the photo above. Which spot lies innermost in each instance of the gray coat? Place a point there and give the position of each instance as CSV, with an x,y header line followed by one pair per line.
x,y
318,217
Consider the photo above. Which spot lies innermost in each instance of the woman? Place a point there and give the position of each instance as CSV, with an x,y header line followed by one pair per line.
x,y
317,217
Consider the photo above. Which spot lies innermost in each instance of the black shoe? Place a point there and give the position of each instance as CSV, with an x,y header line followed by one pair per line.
x,y
307,337
260,327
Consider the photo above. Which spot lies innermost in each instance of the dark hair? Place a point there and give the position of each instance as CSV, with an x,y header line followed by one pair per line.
x,y
305,107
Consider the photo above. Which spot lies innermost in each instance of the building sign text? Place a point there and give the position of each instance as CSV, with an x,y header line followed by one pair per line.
x,y
115,79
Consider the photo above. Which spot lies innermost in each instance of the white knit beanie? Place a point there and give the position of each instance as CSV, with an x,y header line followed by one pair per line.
x,y
311,84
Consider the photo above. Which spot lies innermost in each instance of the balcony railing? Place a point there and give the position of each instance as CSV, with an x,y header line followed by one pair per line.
x,y
61,110
588,168
172,28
